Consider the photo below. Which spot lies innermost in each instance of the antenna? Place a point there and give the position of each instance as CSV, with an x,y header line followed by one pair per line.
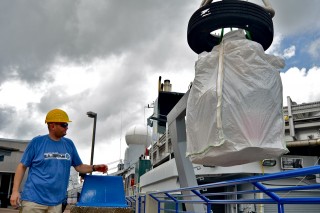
x,y
120,134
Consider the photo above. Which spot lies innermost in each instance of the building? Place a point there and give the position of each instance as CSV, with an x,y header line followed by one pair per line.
x,y
11,152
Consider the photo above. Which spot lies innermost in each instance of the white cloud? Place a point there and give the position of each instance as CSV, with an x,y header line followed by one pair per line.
x,y
18,94
301,85
289,52
275,46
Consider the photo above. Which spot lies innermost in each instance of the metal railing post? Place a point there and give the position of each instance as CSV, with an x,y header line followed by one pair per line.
x,y
280,208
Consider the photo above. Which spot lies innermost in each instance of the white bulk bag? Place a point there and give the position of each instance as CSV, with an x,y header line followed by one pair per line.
x,y
234,110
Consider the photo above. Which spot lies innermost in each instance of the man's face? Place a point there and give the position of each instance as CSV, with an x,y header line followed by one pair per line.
x,y
60,129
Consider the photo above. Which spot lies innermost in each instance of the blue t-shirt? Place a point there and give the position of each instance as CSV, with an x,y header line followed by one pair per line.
x,y
49,165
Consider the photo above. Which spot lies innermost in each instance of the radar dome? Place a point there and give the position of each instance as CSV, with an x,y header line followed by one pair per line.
x,y
138,134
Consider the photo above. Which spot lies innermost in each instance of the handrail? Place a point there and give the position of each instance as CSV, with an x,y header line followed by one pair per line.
x,y
140,200
267,177
176,199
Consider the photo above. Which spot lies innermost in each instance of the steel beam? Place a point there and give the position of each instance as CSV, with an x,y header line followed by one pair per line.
x,y
177,130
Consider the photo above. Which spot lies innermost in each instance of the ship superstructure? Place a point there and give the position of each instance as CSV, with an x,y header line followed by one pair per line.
x,y
302,135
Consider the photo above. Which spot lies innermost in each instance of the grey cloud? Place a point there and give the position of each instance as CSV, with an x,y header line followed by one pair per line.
x,y
35,33
19,124
30,37
296,16
6,116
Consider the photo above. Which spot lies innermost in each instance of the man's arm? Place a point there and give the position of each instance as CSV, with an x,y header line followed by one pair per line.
x,y
15,196
84,168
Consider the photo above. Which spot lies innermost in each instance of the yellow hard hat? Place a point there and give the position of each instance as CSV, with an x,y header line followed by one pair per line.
x,y
57,115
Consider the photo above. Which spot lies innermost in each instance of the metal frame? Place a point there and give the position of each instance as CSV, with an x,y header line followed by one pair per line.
x,y
179,196
177,128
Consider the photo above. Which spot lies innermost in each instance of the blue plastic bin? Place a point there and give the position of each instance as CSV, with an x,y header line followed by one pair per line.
x,y
102,191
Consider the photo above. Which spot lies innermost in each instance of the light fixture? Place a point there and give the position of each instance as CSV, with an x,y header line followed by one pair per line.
x,y
269,162
94,116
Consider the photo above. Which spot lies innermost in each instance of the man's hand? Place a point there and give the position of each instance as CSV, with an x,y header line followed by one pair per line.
x,y
15,200
101,168
85,168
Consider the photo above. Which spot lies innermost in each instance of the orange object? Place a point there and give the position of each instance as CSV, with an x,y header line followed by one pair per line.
x,y
102,169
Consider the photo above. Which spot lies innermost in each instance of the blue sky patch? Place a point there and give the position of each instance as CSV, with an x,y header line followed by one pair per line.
x,y
302,57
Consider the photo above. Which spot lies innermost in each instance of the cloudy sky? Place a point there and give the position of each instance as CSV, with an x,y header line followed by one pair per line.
x,y
106,56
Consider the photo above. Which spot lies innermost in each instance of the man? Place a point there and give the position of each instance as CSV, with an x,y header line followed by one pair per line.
x,y
49,158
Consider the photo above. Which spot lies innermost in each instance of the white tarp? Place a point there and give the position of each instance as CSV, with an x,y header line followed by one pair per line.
x,y
234,109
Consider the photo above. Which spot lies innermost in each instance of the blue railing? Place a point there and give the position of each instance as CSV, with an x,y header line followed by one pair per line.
x,y
177,200
131,202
